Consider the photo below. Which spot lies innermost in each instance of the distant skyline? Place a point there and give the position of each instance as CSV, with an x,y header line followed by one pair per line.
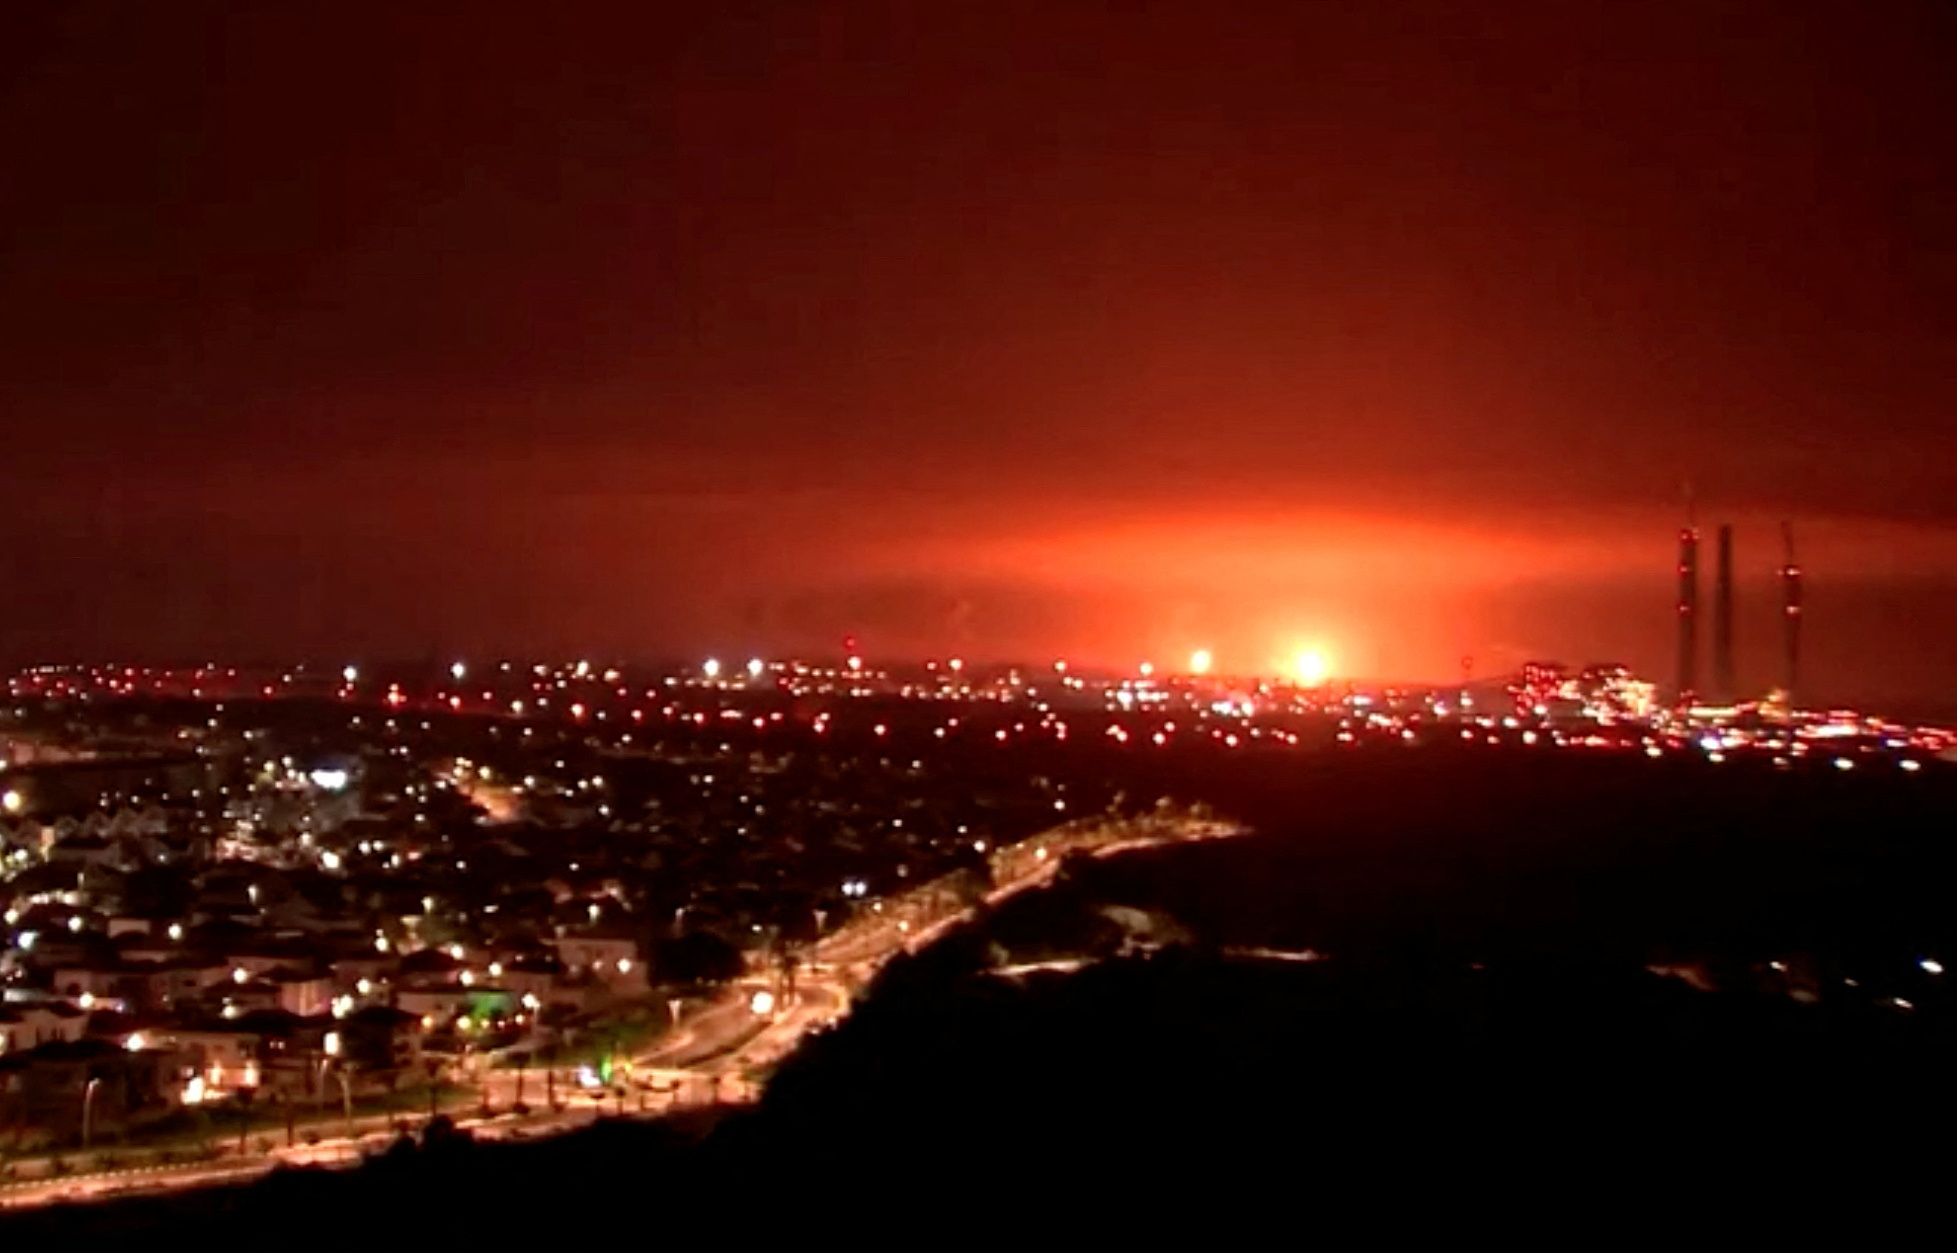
x,y
1019,330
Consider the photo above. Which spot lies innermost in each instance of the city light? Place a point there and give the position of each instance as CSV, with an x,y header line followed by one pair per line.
x,y
556,771
457,670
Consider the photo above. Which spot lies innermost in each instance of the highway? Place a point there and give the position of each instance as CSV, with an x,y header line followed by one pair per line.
x,y
708,1059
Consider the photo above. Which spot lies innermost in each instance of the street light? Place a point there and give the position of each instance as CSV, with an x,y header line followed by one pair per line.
x,y
346,1091
88,1105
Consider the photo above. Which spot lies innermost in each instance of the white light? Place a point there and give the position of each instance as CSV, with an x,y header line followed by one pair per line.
x,y
1931,966
329,780
350,674
711,668
762,1002
330,860
457,670
754,667
11,801
1310,668
332,1044
136,1042
624,966
1912,765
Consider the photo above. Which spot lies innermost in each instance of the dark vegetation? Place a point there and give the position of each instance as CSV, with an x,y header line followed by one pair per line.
x,y
1485,1019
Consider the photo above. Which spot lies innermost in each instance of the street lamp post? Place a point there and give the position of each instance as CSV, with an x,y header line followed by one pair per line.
x,y
88,1106
434,1071
244,1117
346,1092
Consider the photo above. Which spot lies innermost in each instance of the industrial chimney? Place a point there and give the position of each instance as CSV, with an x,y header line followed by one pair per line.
x,y
1722,620
1790,614
1688,614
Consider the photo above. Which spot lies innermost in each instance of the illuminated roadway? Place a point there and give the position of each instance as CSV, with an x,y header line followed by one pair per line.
x,y
708,1059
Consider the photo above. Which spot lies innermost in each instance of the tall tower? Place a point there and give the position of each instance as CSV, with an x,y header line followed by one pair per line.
x,y
1688,613
1790,614
1722,620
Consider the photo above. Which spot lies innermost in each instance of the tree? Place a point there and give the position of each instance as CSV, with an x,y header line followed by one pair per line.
x,y
700,957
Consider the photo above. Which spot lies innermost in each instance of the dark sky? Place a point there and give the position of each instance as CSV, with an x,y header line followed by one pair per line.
x,y
1112,330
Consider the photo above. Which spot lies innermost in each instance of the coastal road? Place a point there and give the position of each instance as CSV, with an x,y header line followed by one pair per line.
x,y
707,1059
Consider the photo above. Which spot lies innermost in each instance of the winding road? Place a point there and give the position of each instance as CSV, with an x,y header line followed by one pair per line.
x,y
708,1059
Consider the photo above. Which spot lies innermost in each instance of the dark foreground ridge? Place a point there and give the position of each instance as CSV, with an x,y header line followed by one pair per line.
x,y
1703,984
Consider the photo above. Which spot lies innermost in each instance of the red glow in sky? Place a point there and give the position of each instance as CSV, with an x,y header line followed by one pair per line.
x,y
1387,329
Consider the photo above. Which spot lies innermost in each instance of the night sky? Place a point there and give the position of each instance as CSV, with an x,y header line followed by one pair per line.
x,y
1005,329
